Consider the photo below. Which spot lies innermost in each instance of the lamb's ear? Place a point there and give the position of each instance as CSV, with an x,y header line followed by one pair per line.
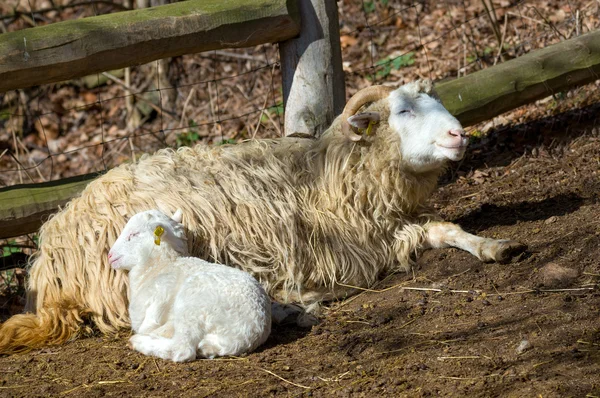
x,y
178,216
362,120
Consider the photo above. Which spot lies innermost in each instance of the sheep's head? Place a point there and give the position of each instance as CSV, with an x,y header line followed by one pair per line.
x,y
145,232
429,134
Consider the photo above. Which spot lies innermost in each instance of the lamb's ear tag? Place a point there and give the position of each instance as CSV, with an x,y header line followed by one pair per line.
x,y
158,233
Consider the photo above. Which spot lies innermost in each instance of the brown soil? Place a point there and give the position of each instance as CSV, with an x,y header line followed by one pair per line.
x,y
506,335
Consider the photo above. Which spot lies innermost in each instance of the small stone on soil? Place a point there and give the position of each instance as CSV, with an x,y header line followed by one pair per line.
x,y
523,346
554,275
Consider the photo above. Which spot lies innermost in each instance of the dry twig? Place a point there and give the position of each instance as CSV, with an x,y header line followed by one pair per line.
x,y
185,105
285,380
501,47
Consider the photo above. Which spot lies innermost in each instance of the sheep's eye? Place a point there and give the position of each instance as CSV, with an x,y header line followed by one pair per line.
x,y
132,235
405,111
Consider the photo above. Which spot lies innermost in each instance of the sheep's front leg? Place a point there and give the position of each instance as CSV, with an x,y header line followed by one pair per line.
x,y
445,234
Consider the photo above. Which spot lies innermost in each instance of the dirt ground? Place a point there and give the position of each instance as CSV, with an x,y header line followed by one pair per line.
x,y
528,328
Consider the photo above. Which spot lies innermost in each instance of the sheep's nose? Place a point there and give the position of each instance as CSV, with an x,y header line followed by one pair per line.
x,y
110,255
458,133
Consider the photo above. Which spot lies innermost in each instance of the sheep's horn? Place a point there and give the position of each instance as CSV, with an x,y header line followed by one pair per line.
x,y
369,94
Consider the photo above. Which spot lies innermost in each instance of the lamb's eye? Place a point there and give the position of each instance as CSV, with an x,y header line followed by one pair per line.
x,y
132,235
405,112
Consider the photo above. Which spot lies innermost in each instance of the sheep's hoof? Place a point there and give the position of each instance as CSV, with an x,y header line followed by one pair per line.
x,y
507,250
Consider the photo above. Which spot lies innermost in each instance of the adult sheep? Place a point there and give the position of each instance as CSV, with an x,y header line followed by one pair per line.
x,y
304,216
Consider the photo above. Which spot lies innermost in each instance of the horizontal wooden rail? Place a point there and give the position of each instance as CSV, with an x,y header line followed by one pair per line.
x,y
23,208
75,48
501,88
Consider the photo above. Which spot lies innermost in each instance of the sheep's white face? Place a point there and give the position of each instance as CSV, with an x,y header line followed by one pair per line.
x,y
138,238
429,134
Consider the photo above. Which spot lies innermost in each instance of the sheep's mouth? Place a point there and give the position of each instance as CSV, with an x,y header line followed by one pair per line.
x,y
452,146
113,260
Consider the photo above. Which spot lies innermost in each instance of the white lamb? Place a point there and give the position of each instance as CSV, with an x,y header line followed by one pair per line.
x,y
180,305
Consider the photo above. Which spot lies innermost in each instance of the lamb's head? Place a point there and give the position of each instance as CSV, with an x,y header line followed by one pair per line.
x,y
429,134
145,233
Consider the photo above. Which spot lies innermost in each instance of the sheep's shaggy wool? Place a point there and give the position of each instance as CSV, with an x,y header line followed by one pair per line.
x,y
304,216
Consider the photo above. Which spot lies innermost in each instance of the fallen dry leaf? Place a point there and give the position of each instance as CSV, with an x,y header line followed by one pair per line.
x,y
347,41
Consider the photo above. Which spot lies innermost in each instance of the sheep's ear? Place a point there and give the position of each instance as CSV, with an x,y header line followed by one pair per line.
x,y
362,120
178,216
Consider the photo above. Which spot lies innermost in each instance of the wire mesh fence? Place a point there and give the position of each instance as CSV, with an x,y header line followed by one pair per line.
x,y
85,131
95,123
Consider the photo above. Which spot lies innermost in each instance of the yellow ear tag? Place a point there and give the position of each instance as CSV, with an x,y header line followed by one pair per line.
x,y
158,233
371,124
369,128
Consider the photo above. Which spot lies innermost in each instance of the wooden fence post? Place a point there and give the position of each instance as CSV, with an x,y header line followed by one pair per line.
x,y
311,66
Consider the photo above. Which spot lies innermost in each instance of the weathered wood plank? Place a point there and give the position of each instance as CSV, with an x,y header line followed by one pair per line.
x,y
311,68
75,48
490,92
24,208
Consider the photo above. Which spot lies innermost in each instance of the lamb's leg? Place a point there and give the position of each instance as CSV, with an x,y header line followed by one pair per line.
x,y
282,312
291,313
167,330
305,307
154,317
174,349
445,234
